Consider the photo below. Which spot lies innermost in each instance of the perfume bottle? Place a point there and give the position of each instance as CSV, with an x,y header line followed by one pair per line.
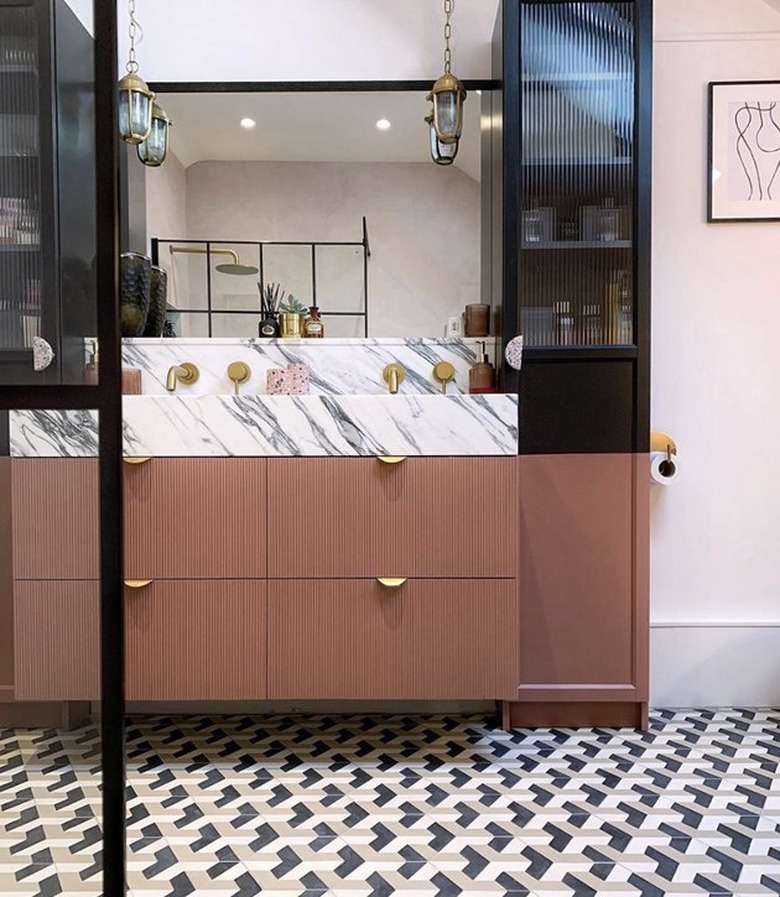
x,y
313,326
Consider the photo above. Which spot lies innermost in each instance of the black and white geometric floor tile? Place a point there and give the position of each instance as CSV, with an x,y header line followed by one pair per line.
x,y
324,806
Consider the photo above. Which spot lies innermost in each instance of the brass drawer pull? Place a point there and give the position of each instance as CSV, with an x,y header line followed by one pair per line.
x,y
391,582
138,583
135,460
391,459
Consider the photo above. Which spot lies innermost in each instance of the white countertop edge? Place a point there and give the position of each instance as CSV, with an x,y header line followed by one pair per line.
x,y
296,341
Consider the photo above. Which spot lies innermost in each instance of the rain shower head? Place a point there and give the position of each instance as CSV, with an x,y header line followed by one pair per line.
x,y
234,267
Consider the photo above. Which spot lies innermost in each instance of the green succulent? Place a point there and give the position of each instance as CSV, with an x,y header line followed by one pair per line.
x,y
293,306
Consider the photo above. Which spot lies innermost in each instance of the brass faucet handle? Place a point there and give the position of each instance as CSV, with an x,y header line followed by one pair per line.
x,y
444,373
190,374
394,375
239,372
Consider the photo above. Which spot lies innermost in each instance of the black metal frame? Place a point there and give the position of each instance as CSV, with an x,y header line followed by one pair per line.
x,y
309,86
106,398
209,311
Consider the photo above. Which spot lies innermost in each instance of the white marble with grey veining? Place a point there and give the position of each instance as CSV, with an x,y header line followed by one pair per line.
x,y
53,434
338,366
210,426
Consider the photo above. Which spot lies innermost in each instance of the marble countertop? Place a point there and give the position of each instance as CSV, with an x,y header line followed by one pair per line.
x,y
309,425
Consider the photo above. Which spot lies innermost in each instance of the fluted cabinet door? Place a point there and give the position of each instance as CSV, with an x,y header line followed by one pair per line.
x,y
57,641
584,579
427,639
195,518
359,517
196,640
55,518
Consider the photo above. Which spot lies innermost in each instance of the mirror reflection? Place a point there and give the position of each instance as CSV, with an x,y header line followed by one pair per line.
x,y
306,192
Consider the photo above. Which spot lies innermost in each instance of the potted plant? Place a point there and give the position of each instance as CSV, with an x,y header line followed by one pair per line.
x,y
291,313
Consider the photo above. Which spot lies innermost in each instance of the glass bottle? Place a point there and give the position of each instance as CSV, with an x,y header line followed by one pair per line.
x,y
313,326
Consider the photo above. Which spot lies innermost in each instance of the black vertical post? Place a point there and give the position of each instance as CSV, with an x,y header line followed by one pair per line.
x,y
643,140
110,407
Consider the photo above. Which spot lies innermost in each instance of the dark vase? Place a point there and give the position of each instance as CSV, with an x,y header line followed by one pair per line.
x,y
158,291
135,275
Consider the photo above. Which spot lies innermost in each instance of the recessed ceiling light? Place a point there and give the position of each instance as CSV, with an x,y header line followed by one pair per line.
x,y
248,123
383,124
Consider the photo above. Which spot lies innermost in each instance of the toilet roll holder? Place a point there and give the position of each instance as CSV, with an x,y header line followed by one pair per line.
x,y
662,442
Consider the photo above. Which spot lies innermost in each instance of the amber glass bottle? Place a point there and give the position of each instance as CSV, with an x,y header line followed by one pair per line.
x,y
313,326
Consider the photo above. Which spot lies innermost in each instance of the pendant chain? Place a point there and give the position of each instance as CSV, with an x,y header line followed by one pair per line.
x,y
132,30
448,7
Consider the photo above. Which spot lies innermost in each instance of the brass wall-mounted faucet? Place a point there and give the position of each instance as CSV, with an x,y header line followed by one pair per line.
x,y
238,372
186,373
394,375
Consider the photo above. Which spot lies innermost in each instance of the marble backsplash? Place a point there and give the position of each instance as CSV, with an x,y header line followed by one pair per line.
x,y
337,366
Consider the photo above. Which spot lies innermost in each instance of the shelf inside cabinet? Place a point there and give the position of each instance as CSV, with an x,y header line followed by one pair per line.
x,y
17,247
593,161
578,244
606,352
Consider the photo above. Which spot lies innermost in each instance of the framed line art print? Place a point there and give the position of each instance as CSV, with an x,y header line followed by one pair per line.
x,y
743,176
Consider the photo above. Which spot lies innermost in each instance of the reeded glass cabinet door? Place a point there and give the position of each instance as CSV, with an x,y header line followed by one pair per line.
x,y
47,194
577,111
20,191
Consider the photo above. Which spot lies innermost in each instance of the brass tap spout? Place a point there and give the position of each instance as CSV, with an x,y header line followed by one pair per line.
x,y
394,375
186,373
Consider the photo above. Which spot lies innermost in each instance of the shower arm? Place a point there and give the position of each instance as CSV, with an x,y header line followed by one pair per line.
x,y
195,250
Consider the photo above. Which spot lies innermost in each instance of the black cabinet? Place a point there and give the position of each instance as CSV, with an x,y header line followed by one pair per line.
x,y
47,191
569,136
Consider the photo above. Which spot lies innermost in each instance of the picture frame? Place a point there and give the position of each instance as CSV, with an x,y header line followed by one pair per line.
x,y
743,172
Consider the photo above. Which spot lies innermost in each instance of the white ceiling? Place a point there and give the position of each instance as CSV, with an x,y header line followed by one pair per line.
x,y
312,127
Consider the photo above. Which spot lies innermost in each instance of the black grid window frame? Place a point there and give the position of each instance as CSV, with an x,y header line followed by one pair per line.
x,y
209,245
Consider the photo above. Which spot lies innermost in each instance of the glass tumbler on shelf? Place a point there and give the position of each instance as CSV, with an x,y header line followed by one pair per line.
x,y
477,319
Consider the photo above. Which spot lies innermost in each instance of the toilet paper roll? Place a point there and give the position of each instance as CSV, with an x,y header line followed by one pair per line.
x,y
664,469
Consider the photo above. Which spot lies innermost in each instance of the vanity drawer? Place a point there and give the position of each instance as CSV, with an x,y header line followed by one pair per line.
x,y
55,518
57,640
434,639
195,518
200,640
359,517
196,640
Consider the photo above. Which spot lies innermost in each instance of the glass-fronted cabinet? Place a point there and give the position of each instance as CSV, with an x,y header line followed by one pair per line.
x,y
568,139
577,132
47,193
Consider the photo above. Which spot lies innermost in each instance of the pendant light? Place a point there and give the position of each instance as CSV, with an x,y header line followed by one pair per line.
x,y
441,153
154,149
447,96
135,98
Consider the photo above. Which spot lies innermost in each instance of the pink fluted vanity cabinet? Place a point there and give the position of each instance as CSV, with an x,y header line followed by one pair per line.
x,y
51,598
253,578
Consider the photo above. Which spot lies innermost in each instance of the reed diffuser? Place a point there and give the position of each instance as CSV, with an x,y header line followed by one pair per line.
x,y
271,297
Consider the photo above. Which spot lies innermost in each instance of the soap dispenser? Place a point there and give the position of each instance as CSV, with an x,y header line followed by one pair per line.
x,y
482,375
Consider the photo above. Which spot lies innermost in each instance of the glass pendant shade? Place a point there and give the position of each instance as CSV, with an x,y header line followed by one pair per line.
x,y
448,95
135,109
154,149
441,153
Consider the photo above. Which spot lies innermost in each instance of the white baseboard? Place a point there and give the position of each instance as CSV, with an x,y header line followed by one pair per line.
x,y
715,663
